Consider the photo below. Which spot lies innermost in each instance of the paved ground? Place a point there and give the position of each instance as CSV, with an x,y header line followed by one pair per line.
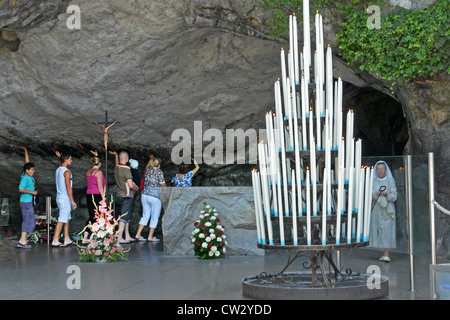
x,y
42,273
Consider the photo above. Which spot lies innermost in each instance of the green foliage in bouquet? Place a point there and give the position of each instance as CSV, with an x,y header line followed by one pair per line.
x,y
208,236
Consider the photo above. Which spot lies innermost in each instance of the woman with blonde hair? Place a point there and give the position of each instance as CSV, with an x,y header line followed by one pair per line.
x,y
95,192
151,204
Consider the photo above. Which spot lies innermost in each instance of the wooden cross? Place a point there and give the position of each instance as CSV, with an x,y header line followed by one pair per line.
x,y
105,126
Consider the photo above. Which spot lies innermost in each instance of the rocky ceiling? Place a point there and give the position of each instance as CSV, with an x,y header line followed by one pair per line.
x,y
155,66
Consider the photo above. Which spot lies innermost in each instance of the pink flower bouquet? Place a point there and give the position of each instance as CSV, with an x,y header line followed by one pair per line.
x,y
103,243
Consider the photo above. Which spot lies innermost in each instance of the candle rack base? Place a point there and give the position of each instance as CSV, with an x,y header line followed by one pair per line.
x,y
317,283
298,286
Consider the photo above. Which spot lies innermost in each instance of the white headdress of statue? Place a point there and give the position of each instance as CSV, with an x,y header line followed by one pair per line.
x,y
388,171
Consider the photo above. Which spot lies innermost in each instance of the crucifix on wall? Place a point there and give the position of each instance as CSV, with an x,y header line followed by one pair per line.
x,y
105,126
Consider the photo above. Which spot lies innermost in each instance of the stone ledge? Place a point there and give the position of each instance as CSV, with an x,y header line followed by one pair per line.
x,y
236,211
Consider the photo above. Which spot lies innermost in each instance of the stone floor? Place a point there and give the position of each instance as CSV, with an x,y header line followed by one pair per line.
x,y
42,273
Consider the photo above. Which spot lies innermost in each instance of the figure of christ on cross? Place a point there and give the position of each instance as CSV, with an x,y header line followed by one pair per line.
x,y
105,132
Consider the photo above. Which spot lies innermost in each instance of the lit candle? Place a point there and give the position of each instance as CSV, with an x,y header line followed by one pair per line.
x,y
320,56
265,189
329,81
357,172
298,169
294,209
296,60
308,208
291,101
350,204
283,78
306,35
349,156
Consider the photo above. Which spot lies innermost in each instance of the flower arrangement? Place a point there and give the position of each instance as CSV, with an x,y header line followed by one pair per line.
x,y
208,236
40,232
103,243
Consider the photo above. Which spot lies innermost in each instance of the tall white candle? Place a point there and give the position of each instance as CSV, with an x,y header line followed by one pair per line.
x,y
328,166
258,227
350,204
360,204
265,191
367,202
308,208
284,182
283,78
261,212
357,172
294,208
311,129
296,59
304,107
339,204
296,147
313,177
324,209
280,206
306,37
370,202
329,81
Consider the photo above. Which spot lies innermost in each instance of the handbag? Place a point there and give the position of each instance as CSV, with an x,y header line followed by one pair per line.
x,y
141,187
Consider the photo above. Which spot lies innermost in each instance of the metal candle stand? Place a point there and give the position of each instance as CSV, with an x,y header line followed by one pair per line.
x,y
316,160
318,253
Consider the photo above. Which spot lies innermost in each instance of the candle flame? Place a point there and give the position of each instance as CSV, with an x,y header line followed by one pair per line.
x,y
307,168
317,11
282,49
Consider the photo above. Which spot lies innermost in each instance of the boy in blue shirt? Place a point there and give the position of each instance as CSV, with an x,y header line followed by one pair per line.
x,y
27,191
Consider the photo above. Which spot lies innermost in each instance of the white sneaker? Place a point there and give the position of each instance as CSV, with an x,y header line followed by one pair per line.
x,y
155,239
385,259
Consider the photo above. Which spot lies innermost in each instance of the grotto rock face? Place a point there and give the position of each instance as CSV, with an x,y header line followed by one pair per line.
x,y
157,66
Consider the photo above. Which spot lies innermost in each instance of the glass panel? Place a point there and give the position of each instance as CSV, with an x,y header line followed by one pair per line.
x,y
397,166
420,207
